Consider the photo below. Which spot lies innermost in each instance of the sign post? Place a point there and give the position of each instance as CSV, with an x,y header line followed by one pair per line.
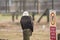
x,y
52,18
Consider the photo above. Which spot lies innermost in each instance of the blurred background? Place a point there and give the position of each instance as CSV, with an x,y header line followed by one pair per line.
x,y
7,6
11,12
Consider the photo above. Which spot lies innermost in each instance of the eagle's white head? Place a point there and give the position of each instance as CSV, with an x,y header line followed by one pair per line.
x,y
25,13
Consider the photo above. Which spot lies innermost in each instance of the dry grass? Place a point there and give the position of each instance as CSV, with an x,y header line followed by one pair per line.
x,y
13,31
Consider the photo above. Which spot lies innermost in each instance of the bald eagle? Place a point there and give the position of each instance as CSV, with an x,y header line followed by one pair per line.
x,y
26,21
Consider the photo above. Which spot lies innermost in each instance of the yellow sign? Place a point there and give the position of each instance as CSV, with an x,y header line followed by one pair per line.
x,y
53,20
52,17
